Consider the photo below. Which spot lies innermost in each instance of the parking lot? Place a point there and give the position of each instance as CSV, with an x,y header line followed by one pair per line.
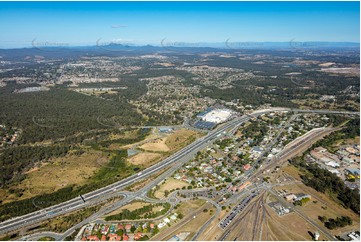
x,y
236,210
204,125
211,193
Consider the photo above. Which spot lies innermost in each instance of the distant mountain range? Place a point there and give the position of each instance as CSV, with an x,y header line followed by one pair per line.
x,y
115,49
227,44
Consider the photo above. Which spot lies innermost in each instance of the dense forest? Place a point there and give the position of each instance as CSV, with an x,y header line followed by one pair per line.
x,y
59,113
14,160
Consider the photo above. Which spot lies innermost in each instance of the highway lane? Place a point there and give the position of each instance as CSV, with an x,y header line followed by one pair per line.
x,y
77,203
142,191
138,194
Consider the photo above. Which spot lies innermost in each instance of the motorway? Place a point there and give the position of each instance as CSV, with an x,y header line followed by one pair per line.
x,y
176,160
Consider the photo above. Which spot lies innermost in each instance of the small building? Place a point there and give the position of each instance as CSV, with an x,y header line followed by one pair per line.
x,y
93,238
246,167
174,238
114,237
138,236
353,171
128,227
290,197
105,229
257,150
301,196
347,160
354,236
351,150
161,225
355,158
334,171
317,235
165,129
342,152
120,227
333,164
320,150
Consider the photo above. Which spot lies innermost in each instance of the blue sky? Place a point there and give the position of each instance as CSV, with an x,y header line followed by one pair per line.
x,y
88,23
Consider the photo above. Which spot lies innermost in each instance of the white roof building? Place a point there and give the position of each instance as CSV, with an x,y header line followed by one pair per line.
x,y
161,225
333,164
217,115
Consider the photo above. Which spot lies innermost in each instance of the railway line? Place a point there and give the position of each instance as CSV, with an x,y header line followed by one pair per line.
x,y
174,160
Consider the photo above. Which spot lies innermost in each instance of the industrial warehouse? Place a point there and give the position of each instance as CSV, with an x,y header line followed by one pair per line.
x,y
211,117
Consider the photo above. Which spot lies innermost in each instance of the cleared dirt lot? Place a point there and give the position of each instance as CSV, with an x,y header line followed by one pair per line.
x,y
145,159
171,141
131,206
170,184
61,172
156,145
181,137
287,227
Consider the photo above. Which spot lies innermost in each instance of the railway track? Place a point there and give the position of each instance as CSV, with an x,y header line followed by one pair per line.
x,y
243,218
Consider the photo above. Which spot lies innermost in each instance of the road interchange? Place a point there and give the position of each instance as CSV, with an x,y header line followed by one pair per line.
x,y
176,160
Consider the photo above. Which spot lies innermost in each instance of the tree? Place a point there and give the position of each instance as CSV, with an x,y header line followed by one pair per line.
x,y
322,218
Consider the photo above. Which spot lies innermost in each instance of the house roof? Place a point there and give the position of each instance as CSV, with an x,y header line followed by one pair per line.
x,y
353,170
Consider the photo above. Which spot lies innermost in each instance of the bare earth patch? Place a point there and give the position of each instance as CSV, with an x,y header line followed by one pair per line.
x,y
324,205
179,137
131,206
57,174
170,184
156,145
145,158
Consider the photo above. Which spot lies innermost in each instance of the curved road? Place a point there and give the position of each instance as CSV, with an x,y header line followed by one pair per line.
x,y
177,159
